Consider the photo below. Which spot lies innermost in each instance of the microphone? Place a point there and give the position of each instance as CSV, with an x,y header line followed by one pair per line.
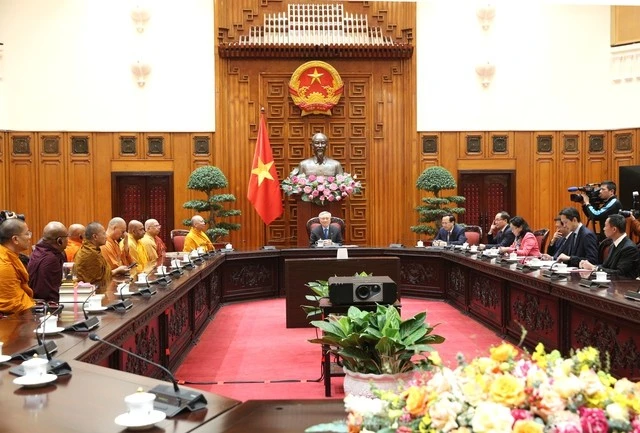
x,y
146,291
169,399
189,265
123,304
89,322
573,189
55,366
164,280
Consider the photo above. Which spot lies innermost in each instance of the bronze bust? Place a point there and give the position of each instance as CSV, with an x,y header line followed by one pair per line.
x,y
320,164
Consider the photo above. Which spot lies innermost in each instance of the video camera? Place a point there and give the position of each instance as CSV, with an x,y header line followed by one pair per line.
x,y
635,207
592,190
7,215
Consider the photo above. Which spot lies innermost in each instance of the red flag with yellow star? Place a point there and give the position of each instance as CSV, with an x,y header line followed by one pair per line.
x,y
264,187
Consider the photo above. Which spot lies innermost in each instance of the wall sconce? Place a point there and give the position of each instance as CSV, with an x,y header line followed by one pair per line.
x,y
485,71
486,14
140,16
140,71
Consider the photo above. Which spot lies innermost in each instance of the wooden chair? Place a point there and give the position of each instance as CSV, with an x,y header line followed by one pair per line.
x,y
315,221
177,239
542,236
473,234
603,250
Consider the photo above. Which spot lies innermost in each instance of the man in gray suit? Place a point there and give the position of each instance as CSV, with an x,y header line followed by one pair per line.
x,y
325,230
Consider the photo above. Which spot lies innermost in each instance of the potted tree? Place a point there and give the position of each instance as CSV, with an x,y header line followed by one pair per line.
x,y
208,179
435,179
377,345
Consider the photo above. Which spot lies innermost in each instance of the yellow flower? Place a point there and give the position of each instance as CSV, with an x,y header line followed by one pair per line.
x,y
507,390
527,426
416,400
503,353
434,357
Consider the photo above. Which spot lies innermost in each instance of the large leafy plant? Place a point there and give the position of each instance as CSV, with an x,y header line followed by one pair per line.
x,y
436,179
379,341
208,179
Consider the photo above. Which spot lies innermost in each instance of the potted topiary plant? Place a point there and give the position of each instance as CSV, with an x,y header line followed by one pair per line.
x,y
435,179
208,179
373,345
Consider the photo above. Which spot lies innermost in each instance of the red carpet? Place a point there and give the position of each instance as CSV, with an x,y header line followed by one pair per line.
x,y
249,344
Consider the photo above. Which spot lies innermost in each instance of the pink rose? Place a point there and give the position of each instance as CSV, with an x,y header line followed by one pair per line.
x,y
307,189
331,179
331,198
349,190
338,197
320,187
315,193
593,420
302,181
344,194
333,187
312,177
340,178
326,192
320,179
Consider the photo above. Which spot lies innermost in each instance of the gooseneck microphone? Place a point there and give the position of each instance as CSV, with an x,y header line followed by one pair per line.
x,y
170,400
146,291
123,304
54,366
88,323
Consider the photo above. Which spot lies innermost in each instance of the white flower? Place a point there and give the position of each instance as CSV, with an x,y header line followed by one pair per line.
x,y
617,412
492,418
364,406
444,411
444,381
567,387
591,382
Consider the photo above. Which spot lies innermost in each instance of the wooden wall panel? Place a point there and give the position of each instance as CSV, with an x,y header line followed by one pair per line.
x,y
51,178
78,146
22,172
545,194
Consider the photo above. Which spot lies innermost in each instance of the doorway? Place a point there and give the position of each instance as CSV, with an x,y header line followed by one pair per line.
x,y
487,193
143,196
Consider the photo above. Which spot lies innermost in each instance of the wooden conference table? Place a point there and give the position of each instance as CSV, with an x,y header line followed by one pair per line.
x,y
164,327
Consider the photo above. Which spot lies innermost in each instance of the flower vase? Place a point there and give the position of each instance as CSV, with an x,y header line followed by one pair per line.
x,y
361,383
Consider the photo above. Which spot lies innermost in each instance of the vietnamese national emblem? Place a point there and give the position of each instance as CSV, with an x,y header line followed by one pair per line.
x,y
316,87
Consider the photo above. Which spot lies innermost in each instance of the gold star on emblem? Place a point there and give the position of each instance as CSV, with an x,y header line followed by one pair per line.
x,y
262,171
315,76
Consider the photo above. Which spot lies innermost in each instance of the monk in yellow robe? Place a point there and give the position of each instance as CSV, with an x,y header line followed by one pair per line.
x,y
197,237
76,233
153,245
15,293
116,256
91,266
137,250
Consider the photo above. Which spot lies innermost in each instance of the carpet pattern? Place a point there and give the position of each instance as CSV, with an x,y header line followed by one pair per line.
x,y
247,352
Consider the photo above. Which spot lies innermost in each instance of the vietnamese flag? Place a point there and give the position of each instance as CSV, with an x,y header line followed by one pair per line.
x,y
264,187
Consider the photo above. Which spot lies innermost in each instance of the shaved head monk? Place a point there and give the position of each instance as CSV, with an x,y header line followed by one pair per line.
x,y
45,265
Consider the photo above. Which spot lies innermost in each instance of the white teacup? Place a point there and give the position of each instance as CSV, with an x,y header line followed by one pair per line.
x,y
48,323
140,404
562,267
420,244
319,242
473,248
201,250
194,253
513,256
35,367
229,247
94,302
535,262
162,269
185,258
601,276
142,277
176,263
465,245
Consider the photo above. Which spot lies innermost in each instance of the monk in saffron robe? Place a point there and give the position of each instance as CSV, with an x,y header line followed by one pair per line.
x,y
15,293
76,233
153,245
136,248
197,237
91,266
116,256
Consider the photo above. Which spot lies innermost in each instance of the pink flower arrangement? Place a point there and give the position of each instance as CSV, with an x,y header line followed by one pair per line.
x,y
321,189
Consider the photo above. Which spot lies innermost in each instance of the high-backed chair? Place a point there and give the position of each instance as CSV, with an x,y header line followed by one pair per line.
x,y
603,249
473,234
315,221
177,239
541,236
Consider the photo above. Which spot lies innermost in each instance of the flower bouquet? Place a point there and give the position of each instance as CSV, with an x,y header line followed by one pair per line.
x,y
504,392
321,189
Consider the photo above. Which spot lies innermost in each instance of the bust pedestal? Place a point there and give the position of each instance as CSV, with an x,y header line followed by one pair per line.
x,y
308,210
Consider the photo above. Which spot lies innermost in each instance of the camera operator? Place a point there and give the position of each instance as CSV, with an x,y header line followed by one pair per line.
x,y
611,205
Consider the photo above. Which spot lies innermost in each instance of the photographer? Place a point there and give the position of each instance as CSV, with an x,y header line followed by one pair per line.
x,y
611,205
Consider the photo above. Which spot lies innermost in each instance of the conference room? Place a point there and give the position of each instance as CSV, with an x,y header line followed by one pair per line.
x,y
108,109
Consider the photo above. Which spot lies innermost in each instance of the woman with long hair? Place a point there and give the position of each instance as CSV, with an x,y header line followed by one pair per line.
x,y
525,243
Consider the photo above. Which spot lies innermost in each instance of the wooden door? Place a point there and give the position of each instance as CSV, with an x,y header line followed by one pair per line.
x,y
145,196
487,193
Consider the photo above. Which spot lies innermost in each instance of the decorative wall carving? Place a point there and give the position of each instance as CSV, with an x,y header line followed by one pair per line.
x,y
21,145
527,311
570,143
147,346
254,275
429,144
484,292
79,145
51,144
416,273
201,145
128,145
178,319
623,142
500,143
545,143
155,145
457,282
474,144
596,143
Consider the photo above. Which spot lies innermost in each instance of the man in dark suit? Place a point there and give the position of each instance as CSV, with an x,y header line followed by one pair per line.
x,y
557,243
581,244
500,234
450,233
325,230
623,259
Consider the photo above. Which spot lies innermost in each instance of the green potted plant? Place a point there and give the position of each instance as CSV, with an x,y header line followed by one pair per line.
x,y
208,179
435,179
375,344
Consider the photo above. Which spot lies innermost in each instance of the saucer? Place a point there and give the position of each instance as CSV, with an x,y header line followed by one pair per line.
x,y
4,358
139,423
532,266
140,283
123,293
51,331
511,260
565,272
601,281
34,382
166,274
94,309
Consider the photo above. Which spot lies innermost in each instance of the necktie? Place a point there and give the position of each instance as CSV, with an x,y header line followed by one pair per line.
x,y
572,247
326,233
448,235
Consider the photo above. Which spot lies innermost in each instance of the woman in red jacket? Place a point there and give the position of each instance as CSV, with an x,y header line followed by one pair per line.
x,y
525,243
